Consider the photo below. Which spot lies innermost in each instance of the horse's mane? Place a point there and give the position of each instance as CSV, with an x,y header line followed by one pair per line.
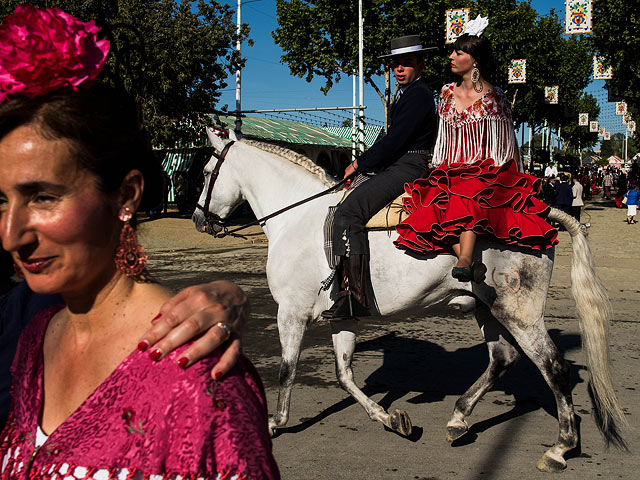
x,y
295,158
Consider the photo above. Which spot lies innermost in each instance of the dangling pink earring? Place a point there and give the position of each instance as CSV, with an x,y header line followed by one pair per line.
x,y
130,257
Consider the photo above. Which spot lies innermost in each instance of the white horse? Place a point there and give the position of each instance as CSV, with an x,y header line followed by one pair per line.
x,y
508,306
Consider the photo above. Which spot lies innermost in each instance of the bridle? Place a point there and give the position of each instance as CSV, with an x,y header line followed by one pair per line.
x,y
212,219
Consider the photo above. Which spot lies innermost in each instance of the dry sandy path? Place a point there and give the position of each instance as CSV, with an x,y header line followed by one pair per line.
x,y
422,364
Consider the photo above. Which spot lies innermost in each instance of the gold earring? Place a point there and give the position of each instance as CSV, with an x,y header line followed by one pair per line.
x,y
475,79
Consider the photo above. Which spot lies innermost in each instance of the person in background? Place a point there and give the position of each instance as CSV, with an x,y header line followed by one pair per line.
x,y
585,181
564,195
632,204
549,191
74,168
607,183
577,203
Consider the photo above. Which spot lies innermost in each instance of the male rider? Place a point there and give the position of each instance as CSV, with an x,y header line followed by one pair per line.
x,y
399,157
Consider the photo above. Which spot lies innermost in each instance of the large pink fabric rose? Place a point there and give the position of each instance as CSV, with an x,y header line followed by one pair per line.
x,y
46,50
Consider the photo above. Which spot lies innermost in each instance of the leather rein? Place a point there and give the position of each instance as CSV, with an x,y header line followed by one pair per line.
x,y
211,219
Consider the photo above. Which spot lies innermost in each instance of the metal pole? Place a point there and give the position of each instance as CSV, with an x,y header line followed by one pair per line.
x,y
361,73
354,136
530,142
307,109
238,128
626,131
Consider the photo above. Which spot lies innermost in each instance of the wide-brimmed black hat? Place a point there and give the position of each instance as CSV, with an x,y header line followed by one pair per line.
x,y
406,44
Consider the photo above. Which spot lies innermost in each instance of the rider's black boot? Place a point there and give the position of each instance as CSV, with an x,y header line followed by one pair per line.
x,y
352,300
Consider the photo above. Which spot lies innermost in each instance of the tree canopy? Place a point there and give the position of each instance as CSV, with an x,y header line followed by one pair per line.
x,y
188,53
320,38
616,37
576,136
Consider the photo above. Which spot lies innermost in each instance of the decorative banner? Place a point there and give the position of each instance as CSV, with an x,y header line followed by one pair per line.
x,y
583,119
599,71
631,126
621,108
607,135
577,16
518,71
626,118
551,94
601,131
593,126
456,20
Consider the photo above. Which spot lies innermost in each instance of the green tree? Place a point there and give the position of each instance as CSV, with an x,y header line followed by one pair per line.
x,y
616,37
320,38
579,137
188,52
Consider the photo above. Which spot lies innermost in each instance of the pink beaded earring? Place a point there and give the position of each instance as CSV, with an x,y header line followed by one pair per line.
x,y
130,257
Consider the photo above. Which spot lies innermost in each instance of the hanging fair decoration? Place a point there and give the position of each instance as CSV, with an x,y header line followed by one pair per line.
x,y
626,118
631,126
621,108
583,119
518,71
593,126
607,135
551,94
599,70
577,16
601,131
456,20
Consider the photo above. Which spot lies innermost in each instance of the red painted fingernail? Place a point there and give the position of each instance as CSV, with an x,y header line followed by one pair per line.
x,y
182,362
143,345
156,318
155,355
217,375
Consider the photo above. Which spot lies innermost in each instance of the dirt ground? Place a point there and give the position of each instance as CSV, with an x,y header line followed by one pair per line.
x,y
422,364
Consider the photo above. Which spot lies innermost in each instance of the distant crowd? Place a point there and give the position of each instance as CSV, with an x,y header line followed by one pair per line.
x,y
568,190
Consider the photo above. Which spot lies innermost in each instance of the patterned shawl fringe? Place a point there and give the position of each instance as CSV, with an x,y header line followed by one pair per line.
x,y
491,137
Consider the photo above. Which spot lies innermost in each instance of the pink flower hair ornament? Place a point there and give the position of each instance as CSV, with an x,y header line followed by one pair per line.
x,y
44,50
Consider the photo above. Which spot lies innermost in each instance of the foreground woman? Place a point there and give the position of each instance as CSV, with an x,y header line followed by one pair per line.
x,y
74,168
477,188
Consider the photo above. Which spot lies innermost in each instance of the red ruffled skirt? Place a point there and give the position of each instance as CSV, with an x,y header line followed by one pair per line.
x,y
489,200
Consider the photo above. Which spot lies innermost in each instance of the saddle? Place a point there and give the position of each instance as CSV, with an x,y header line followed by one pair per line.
x,y
389,216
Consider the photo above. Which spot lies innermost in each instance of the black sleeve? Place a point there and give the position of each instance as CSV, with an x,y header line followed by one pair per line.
x,y
413,117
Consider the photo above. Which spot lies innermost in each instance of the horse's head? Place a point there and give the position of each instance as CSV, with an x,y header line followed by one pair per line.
x,y
221,193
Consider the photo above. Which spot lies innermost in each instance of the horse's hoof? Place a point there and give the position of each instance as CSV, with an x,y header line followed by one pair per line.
x,y
551,463
456,431
400,422
272,426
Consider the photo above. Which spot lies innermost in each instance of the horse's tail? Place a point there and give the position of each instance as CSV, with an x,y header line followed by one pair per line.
x,y
594,315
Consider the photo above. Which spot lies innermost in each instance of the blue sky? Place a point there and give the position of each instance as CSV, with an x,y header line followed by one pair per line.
x,y
267,83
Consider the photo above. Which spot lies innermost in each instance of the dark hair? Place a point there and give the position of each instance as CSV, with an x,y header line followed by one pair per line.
x,y
480,49
101,124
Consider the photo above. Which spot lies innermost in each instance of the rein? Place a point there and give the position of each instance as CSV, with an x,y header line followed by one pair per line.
x,y
211,219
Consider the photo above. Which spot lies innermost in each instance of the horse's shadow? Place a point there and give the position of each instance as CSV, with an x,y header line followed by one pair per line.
x,y
427,370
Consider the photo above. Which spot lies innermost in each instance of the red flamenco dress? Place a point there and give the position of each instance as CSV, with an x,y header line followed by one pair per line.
x,y
477,185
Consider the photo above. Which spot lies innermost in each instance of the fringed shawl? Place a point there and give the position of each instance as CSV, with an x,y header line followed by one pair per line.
x,y
484,130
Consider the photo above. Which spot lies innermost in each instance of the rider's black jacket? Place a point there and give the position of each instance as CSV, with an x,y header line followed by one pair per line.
x,y
412,127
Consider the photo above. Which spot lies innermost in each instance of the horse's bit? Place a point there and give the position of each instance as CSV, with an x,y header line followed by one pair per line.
x,y
211,219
